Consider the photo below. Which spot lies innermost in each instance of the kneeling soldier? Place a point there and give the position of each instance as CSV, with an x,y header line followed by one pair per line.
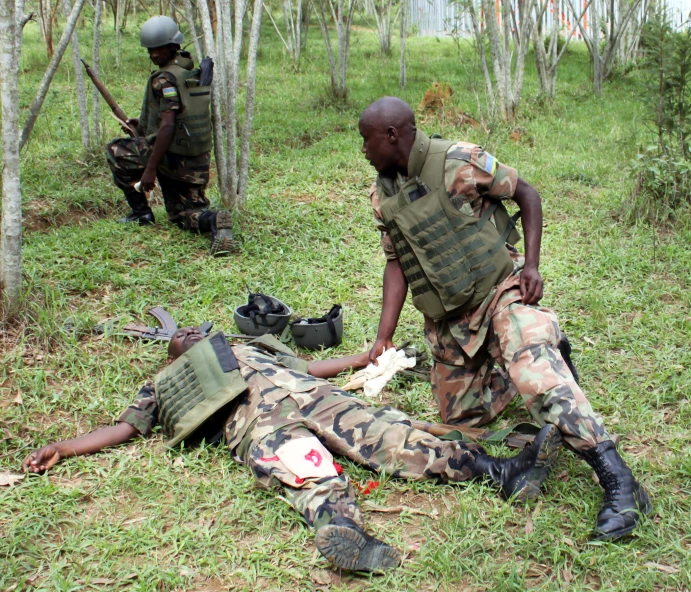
x,y
278,416
175,143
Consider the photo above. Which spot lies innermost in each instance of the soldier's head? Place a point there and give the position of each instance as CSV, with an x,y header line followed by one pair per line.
x,y
387,128
162,37
182,340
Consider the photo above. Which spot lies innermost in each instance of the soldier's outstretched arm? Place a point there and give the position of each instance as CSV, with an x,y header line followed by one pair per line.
x,y
529,202
333,367
395,291
46,457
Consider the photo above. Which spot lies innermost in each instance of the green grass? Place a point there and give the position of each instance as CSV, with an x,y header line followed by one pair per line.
x,y
141,518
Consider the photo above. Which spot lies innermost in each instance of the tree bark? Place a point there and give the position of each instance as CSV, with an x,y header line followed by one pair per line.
x,y
79,83
402,73
96,64
11,240
216,115
252,50
43,88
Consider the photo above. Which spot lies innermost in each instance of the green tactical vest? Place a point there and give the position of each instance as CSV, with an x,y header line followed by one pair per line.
x,y
450,259
195,386
192,135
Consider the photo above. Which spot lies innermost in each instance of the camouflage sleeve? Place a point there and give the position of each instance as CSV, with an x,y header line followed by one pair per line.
x,y
166,91
142,414
386,241
292,362
472,172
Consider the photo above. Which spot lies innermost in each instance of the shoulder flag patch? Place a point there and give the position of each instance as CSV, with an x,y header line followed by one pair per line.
x,y
170,92
490,163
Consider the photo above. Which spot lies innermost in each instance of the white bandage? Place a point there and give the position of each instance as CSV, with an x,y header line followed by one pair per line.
x,y
390,362
307,458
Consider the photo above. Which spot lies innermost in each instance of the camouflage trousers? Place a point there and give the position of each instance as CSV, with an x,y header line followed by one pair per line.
x,y
519,356
378,438
183,179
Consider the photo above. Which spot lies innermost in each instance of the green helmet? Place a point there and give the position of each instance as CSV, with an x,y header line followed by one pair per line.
x,y
318,333
159,31
262,314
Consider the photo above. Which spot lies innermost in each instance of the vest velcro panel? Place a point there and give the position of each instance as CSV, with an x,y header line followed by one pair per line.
x,y
195,386
450,259
193,133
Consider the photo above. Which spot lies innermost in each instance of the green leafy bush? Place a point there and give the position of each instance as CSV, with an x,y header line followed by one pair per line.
x,y
661,170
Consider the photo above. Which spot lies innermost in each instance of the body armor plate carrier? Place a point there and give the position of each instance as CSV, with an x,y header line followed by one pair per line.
x,y
450,259
192,135
196,385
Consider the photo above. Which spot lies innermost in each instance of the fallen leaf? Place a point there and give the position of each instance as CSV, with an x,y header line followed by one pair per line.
x,y
131,576
588,340
529,526
134,520
18,399
321,577
414,547
8,434
567,575
10,479
668,569
179,462
102,581
568,541
186,572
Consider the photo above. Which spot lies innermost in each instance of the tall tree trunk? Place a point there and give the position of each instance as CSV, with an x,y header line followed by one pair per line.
x,y
79,83
252,50
96,64
43,88
216,115
189,17
402,74
228,61
342,17
11,240
118,31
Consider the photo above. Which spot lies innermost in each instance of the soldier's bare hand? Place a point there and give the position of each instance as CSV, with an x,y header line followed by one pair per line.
x,y
148,180
41,460
531,285
379,347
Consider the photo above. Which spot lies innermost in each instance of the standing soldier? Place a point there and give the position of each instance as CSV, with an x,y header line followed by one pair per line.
x,y
447,235
175,141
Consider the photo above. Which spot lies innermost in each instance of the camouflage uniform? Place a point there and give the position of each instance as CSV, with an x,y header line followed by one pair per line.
x,y
284,403
485,356
183,179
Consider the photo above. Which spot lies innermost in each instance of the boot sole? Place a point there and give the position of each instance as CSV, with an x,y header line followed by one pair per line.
x,y
223,242
348,549
549,443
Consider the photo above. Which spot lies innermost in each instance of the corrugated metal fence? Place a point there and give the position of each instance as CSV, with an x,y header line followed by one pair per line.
x,y
445,17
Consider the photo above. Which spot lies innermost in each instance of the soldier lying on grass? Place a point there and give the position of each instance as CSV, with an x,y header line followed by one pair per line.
x,y
279,416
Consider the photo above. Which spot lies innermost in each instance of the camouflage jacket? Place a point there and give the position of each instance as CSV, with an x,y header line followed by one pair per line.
x,y
270,377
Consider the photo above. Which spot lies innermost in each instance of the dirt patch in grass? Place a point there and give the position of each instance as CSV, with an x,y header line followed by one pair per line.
x,y
36,219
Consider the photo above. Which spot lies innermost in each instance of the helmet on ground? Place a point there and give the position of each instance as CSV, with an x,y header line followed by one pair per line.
x,y
159,31
322,332
262,314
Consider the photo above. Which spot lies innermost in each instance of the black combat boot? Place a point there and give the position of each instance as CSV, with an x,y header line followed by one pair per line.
x,y
347,546
220,225
521,476
625,500
141,212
